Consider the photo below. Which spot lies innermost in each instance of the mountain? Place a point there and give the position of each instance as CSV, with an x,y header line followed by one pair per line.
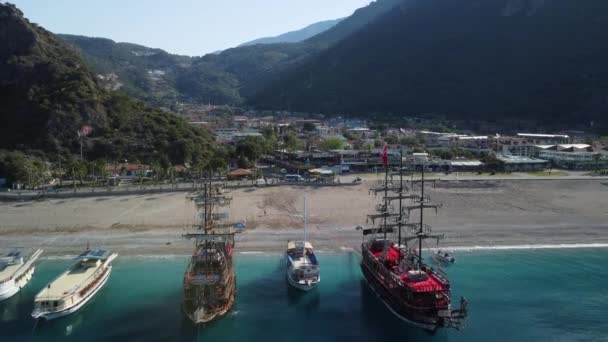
x,y
146,73
228,77
298,35
48,94
493,60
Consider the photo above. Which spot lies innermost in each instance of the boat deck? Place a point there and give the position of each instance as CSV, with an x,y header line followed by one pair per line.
x,y
298,262
68,282
8,271
431,284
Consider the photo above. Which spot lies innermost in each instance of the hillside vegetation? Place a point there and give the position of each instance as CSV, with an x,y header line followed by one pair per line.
x,y
492,60
48,94
230,77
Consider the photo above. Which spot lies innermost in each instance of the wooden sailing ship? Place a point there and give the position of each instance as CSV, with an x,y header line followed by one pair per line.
x,y
210,281
412,290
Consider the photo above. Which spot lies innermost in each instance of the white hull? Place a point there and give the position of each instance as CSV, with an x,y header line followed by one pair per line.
x,y
52,315
302,286
20,278
9,289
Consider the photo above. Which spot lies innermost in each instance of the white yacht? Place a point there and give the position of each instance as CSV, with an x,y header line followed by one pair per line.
x,y
15,273
76,286
302,264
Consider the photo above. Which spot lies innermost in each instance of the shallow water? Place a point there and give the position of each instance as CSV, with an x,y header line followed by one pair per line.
x,y
523,295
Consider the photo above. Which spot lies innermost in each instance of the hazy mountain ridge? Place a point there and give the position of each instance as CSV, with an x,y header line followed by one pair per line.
x,y
228,77
297,35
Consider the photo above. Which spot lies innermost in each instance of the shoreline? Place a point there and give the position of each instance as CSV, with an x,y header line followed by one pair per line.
x,y
475,215
350,250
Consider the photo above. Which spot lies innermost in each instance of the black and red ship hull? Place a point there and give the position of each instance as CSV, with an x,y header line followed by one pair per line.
x,y
420,318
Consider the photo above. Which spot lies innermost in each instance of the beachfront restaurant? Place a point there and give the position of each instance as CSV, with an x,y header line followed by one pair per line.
x,y
513,163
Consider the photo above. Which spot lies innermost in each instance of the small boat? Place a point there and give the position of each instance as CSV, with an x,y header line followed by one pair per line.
x,y
302,264
76,286
15,273
444,257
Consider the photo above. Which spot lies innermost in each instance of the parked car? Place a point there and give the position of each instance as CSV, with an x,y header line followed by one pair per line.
x,y
294,178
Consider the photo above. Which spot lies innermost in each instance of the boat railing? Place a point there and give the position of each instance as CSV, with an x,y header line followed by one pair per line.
x,y
92,278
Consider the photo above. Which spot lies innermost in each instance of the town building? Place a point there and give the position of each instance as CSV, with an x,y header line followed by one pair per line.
x,y
544,139
513,163
574,156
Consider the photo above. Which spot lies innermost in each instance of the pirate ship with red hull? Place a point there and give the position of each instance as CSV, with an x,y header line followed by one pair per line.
x,y
413,291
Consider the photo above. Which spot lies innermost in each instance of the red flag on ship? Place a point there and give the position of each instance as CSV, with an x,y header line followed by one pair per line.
x,y
385,156
228,248
85,131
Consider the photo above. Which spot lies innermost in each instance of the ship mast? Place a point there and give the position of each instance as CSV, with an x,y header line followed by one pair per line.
x,y
420,231
305,220
400,199
385,196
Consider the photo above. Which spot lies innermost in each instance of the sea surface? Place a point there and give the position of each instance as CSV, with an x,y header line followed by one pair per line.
x,y
514,295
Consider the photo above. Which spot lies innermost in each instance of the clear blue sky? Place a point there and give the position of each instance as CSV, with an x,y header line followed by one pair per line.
x,y
190,27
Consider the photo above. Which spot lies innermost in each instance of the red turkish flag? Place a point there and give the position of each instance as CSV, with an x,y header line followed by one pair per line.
x,y
385,156
85,131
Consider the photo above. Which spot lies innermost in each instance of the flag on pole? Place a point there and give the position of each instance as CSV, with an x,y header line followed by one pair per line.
x,y
85,131
385,156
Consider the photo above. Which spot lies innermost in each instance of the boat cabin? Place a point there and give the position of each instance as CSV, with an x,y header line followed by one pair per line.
x,y
74,284
302,261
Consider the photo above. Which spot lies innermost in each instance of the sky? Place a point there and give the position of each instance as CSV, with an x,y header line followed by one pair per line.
x,y
188,27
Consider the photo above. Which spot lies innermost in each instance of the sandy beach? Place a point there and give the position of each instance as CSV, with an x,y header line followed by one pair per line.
x,y
474,213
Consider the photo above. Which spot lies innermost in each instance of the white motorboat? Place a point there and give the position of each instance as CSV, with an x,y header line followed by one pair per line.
x,y
444,257
15,273
302,264
76,286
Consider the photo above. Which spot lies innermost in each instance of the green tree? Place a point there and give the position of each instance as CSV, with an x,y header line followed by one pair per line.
x,y
13,166
100,168
291,142
492,164
157,170
409,141
243,163
309,127
331,143
251,148
80,169
596,159
392,139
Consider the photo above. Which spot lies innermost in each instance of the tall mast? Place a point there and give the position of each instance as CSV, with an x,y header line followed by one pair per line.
x,y
385,196
305,219
205,195
400,199
420,231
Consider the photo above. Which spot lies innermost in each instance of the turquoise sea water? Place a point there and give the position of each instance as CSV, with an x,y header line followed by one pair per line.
x,y
518,295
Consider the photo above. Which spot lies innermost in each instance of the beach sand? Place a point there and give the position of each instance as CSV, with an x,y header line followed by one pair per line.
x,y
474,213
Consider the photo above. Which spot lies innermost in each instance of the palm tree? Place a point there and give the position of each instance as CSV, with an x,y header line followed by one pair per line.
x,y
596,159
